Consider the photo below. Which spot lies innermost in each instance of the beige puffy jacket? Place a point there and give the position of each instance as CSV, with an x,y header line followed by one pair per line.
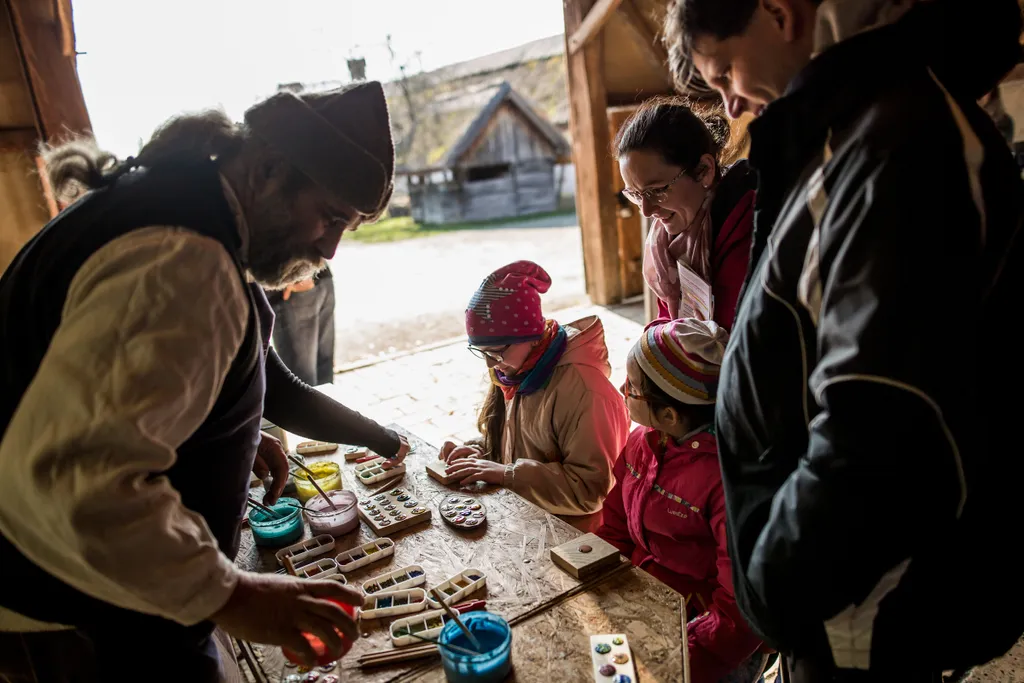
x,y
565,439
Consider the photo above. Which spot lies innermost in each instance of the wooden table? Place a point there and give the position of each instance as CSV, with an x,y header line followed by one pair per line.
x,y
513,552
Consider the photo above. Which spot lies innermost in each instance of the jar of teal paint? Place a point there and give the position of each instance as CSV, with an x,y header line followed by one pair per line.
x,y
276,531
494,661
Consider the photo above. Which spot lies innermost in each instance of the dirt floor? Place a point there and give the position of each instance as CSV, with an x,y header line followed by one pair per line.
x,y
397,296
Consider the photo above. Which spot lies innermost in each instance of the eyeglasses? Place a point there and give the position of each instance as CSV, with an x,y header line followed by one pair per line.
x,y
626,390
483,354
655,195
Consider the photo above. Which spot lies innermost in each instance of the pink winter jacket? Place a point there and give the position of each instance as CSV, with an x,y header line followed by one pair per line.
x,y
667,514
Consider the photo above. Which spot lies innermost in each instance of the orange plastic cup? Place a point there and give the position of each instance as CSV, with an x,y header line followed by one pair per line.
x,y
323,657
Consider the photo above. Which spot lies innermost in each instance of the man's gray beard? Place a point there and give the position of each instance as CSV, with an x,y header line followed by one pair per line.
x,y
274,260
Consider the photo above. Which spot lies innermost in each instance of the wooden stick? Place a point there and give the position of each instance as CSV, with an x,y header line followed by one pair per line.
x,y
453,648
455,616
312,480
274,514
686,641
289,566
384,657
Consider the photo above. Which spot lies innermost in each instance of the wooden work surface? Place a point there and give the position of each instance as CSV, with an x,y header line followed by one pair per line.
x,y
512,550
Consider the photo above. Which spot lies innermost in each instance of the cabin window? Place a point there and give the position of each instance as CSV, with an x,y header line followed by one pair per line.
x,y
488,172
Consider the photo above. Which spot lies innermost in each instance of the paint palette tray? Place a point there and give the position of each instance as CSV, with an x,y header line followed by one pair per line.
x,y
307,550
459,586
425,625
320,569
612,660
438,469
374,551
463,513
390,511
315,448
394,604
373,471
355,452
406,577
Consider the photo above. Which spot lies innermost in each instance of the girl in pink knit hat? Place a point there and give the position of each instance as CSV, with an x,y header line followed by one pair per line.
x,y
552,423
667,510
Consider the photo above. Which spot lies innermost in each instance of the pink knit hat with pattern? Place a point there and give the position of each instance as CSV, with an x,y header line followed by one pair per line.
x,y
506,307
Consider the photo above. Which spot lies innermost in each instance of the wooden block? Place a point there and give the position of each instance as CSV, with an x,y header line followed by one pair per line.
x,y
586,556
437,469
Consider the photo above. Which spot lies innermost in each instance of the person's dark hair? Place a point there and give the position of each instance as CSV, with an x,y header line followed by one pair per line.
x,y
688,19
657,399
669,126
491,423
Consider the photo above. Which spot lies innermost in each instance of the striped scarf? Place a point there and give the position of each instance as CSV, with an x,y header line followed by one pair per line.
x,y
539,365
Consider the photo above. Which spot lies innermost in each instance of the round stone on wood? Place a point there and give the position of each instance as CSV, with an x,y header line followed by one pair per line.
x,y
585,549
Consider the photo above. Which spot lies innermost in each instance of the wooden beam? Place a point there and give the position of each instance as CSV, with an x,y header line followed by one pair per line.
x,y
645,38
596,18
19,140
53,77
591,140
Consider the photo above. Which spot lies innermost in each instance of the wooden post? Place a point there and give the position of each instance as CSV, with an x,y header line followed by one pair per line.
x,y
42,36
595,197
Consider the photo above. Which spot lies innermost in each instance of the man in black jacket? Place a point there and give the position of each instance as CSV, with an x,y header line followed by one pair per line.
x,y
865,420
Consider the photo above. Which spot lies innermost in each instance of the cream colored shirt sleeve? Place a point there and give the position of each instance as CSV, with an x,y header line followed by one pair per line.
x,y
149,329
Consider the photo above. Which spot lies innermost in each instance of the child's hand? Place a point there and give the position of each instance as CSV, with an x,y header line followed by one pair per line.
x,y
450,452
477,469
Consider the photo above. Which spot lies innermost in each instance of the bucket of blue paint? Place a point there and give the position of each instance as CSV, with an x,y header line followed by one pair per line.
x,y
495,658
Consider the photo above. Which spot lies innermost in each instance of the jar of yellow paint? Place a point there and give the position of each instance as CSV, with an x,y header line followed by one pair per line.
x,y
326,474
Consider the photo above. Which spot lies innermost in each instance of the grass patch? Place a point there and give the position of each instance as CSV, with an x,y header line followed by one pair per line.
x,y
405,228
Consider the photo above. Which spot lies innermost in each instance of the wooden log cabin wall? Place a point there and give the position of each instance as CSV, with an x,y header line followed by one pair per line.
x,y
40,99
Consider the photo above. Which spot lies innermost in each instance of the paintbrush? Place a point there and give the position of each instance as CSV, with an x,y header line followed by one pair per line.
x,y
455,615
453,648
274,514
312,480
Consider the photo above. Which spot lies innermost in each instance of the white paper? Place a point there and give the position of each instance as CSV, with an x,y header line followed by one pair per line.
x,y
696,300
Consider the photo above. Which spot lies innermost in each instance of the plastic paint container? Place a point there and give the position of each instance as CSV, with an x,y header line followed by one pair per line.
x,y
284,529
495,637
334,522
326,474
323,657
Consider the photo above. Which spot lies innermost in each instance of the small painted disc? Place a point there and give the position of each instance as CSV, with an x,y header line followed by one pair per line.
x,y
617,640
607,670
603,648
620,658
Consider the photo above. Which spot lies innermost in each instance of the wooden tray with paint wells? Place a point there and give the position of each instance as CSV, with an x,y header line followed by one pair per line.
x,y
374,471
426,625
458,587
406,577
321,569
307,550
394,604
392,511
368,553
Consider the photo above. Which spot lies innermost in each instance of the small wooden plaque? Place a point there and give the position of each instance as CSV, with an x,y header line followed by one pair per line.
x,y
585,563
437,469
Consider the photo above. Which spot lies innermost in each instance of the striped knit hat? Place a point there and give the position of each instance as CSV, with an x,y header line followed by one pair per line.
x,y
506,307
682,357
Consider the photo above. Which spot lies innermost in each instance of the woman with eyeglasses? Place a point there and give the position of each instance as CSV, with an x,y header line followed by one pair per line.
x,y
667,510
552,423
701,213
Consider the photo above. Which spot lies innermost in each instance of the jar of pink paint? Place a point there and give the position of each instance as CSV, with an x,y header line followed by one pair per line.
x,y
336,522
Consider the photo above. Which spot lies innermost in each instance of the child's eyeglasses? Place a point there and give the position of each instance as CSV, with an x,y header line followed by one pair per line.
x,y
483,354
626,390
655,195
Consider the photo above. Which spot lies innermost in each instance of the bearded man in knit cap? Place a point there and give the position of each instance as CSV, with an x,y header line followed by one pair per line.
x,y
134,382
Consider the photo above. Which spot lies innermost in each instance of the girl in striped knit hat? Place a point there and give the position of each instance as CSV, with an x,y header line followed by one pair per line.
x,y
667,510
552,423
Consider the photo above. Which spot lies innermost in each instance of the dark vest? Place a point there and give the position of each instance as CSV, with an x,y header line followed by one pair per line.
x,y
213,467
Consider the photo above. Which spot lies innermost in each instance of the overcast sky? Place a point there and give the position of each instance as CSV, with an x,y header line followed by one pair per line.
x,y
147,60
